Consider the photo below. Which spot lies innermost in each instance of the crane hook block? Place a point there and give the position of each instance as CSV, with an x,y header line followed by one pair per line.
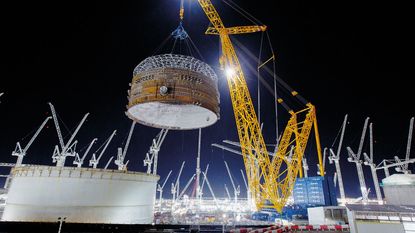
x,y
180,33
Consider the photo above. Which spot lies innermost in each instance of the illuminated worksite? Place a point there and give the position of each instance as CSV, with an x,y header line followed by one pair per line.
x,y
175,91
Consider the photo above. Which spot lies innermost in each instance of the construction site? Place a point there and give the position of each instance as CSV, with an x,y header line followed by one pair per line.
x,y
206,145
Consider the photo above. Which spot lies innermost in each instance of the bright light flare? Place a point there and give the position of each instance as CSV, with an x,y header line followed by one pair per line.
x,y
229,71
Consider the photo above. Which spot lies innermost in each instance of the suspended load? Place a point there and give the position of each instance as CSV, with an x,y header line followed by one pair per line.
x,y
174,91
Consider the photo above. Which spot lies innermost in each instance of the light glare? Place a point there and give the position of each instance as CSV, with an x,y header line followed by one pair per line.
x,y
229,72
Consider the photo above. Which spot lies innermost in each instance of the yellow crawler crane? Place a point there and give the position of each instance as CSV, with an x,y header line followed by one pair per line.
x,y
271,179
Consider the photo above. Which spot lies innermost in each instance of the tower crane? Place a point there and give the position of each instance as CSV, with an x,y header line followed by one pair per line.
x,y
203,183
186,186
152,154
109,162
19,152
121,153
160,189
355,158
248,192
369,162
175,188
335,158
236,189
68,149
94,160
198,164
78,160
404,167
227,192
270,179
387,163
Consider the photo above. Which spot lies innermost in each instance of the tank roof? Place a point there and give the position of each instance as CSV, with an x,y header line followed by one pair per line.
x,y
399,179
175,61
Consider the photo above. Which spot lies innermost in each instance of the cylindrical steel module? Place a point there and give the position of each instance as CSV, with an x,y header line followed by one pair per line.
x,y
174,92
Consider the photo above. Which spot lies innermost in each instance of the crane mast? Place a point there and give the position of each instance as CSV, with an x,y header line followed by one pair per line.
x,y
355,158
121,153
369,162
160,189
336,159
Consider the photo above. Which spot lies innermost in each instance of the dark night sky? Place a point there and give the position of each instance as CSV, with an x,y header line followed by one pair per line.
x,y
344,57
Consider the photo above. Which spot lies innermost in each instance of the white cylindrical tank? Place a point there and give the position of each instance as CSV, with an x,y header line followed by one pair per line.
x,y
82,195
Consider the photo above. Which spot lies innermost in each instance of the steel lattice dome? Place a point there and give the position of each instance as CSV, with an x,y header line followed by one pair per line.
x,y
175,61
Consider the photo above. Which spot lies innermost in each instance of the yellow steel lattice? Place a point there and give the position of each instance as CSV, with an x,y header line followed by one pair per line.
x,y
270,179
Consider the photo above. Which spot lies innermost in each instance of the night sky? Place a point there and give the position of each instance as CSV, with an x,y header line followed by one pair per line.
x,y
344,57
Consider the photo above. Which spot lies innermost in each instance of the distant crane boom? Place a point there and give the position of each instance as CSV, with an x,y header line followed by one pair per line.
x,y
79,161
58,129
19,152
235,189
204,180
94,160
109,162
59,156
336,159
408,145
160,189
121,156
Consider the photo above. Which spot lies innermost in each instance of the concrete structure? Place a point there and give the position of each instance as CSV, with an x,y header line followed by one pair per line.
x,y
381,218
82,195
399,189
174,91
327,215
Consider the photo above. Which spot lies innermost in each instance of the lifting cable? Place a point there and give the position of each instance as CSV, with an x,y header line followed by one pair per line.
x,y
335,139
102,145
242,12
27,135
258,83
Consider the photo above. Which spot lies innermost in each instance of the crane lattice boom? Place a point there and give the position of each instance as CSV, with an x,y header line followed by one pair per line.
x,y
270,180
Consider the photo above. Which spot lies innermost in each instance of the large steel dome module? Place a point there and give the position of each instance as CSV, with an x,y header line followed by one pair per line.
x,y
175,92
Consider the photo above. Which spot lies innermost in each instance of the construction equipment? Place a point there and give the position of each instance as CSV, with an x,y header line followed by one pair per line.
x,y
387,163
336,159
109,162
175,188
121,153
94,160
19,152
198,165
68,149
185,187
355,158
160,190
404,167
152,154
248,192
369,162
236,189
271,180
203,182
78,160
210,189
